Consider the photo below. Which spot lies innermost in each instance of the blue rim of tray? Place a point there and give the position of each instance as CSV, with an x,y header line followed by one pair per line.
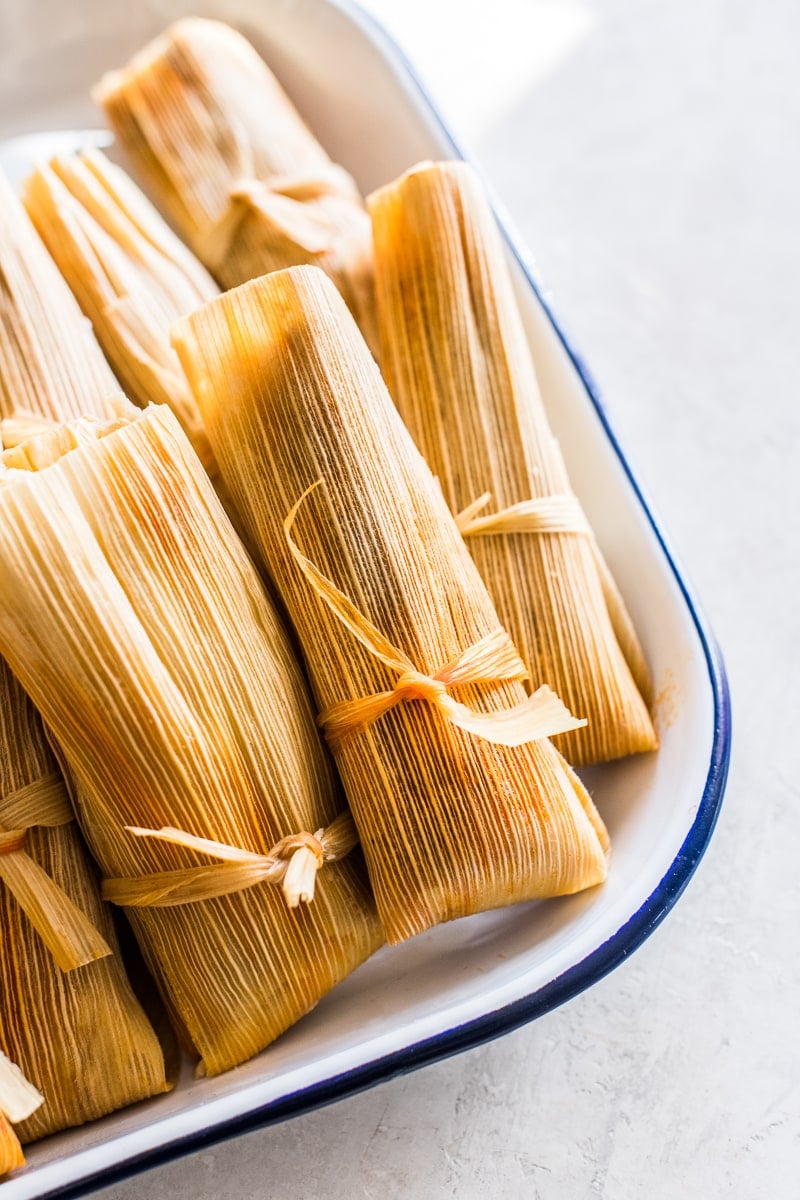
x,y
602,960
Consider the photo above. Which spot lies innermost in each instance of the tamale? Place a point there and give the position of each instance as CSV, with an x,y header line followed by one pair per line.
x,y
77,1031
50,363
128,271
136,621
230,162
18,1099
390,613
79,1035
459,367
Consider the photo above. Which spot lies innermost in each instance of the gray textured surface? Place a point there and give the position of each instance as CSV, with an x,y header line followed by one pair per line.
x,y
648,154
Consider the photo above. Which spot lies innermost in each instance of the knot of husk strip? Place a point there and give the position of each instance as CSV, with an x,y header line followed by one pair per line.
x,y
64,928
288,205
561,513
492,659
293,862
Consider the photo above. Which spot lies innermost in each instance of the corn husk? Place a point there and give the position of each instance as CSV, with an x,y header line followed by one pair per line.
x,y
228,159
18,1099
135,619
77,1031
459,368
51,366
80,1036
128,271
11,1156
390,613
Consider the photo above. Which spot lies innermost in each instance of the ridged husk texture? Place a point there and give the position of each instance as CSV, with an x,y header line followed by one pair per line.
x,y
450,823
137,623
458,365
128,271
80,1036
50,363
228,159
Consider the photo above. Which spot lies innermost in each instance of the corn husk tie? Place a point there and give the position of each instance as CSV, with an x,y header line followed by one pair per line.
x,y
18,1097
292,862
561,513
67,932
284,204
492,658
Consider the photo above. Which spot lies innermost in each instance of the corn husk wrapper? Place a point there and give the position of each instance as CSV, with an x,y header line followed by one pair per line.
x,y
450,823
80,1036
77,1031
136,621
458,365
229,161
128,271
51,366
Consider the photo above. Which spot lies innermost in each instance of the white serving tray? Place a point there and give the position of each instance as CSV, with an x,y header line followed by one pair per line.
x,y
474,979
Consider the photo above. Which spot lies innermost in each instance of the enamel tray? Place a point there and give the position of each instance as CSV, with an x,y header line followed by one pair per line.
x,y
477,978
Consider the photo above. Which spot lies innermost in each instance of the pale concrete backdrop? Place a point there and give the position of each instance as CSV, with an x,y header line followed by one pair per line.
x,y
649,154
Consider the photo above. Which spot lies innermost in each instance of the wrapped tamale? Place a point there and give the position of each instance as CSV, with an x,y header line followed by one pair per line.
x,y
68,1015
461,802
458,365
137,623
51,366
128,271
230,162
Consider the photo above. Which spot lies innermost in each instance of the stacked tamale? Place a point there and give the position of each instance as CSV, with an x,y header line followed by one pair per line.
x,y
460,800
229,160
75,1028
51,367
69,1017
128,271
458,365
136,621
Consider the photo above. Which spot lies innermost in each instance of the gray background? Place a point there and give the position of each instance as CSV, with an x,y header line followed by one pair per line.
x,y
648,153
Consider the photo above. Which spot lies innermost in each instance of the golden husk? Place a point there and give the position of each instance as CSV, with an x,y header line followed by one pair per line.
x,y
450,823
458,365
80,1036
130,274
228,159
18,1100
50,363
135,619
11,1156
